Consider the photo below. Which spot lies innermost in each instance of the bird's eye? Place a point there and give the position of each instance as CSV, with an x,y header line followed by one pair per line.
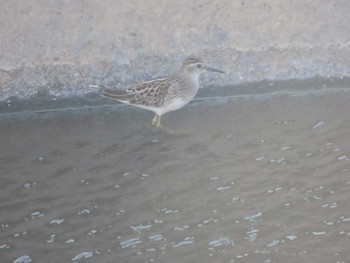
x,y
199,65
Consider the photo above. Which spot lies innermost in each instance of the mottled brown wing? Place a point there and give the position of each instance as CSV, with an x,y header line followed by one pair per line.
x,y
150,93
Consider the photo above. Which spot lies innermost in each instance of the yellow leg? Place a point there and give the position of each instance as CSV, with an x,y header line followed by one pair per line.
x,y
156,121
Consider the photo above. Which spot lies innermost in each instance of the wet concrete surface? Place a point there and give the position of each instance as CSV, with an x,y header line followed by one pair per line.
x,y
236,179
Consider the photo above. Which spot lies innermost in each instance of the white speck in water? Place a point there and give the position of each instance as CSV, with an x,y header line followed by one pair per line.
x,y
343,157
273,243
117,186
285,148
321,233
84,211
252,234
4,246
126,174
69,241
281,160
130,242
328,222
253,217
155,140
158,221
291,237
82,255
177,228
92,232
156,237
223,188
52,238
222,241
308,154
151,249
36,214
29,185
144,175
260,158
186,241
23,259
214,178
56,221
330,205
318,124
140,228
344,219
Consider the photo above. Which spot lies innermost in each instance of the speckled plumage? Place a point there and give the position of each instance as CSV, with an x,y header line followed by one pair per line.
x,y
162,95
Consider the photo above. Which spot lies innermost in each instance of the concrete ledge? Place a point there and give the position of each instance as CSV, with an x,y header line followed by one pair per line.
x,y
64,48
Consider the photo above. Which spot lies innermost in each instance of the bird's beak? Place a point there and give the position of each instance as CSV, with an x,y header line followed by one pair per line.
x,y
215,70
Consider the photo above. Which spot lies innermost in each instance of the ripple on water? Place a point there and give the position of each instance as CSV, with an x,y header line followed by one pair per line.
x,y
56,221
23,259
252,234
222,241
186,241
157,237
253,217
83,255
138,229
130,242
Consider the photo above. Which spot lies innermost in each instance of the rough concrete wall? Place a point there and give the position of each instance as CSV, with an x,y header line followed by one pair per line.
x,y
65,48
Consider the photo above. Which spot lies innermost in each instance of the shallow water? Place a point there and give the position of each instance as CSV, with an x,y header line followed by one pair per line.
x,y
236,180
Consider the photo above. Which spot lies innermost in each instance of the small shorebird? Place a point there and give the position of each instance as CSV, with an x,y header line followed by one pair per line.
x,y
163,94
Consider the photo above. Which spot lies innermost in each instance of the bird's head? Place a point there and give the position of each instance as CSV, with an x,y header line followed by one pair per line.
x,y
195,66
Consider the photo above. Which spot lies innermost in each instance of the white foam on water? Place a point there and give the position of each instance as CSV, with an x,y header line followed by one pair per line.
x,y
343,158
56,221
83,255
69,241
252,234
320,233
130,242
223,188
92,232
52,238
291,237
140,228
23,259
260,158
222,241
253,217
36,214
318,124
4,246
186,241
273,243
284,148
330,205
156,237
344,219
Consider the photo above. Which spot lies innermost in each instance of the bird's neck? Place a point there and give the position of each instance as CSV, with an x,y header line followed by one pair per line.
x,y
192,78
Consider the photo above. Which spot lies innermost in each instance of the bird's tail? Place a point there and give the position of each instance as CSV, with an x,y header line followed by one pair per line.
x,y
116,94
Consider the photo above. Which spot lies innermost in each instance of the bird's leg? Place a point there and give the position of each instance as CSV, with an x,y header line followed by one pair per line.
x,y
155,120
158,122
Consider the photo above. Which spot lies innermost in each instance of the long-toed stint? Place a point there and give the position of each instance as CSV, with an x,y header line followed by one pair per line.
x,y
163,94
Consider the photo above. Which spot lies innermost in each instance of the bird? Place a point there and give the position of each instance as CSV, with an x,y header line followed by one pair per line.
x,y
163,94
